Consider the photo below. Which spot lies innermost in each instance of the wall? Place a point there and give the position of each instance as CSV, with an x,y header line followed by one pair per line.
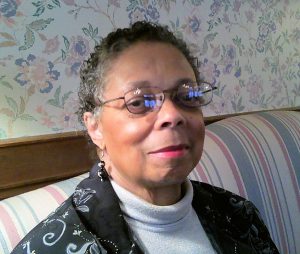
x,y
248,49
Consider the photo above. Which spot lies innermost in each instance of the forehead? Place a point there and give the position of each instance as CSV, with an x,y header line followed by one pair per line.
x,y
148,63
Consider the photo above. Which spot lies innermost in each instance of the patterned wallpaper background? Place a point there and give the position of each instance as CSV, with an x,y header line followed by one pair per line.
x,y
249,49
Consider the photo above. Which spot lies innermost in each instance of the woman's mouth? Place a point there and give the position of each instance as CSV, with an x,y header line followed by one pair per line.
x,y
171,151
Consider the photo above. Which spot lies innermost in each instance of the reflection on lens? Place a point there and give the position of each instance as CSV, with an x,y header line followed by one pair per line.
x,y
149,103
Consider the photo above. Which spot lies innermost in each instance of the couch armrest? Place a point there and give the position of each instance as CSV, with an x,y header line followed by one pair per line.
x,y
19,214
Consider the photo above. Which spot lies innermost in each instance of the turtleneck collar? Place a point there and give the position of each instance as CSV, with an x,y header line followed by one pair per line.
x,y
157,218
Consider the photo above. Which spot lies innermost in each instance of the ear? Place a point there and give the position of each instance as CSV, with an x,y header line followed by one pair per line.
x,y
94,129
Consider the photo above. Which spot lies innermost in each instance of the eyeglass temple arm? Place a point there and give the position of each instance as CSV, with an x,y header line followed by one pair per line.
x,y
115,99
213,88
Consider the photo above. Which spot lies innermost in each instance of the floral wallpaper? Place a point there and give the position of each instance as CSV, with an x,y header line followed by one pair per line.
x,y
248,49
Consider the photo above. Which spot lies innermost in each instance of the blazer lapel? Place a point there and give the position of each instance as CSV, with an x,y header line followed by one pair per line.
x,y
98,206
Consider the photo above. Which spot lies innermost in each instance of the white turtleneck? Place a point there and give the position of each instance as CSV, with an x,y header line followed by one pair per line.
x,y
165,229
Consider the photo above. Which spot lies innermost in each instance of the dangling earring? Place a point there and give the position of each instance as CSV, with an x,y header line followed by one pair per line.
x,y
102,174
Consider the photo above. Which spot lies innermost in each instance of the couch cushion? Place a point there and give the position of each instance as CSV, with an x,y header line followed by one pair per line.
x,y
258,157
21,213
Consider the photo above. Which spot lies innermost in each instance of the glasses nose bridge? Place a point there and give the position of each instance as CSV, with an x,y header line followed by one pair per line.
x,y
171,93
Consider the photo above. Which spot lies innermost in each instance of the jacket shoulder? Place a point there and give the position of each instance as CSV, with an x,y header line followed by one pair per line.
x,y
232,217
61,230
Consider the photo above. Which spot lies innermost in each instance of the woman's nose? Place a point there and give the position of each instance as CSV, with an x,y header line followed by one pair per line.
x,y
169,115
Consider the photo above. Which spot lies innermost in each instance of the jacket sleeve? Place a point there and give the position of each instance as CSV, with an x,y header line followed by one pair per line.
x,y
61,232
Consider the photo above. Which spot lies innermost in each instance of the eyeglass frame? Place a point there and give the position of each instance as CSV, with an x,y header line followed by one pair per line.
x,y
170,91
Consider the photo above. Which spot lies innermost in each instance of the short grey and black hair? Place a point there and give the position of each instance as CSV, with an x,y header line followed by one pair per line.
x,y
93,71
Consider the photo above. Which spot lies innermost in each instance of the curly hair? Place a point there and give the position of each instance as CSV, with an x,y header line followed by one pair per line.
x,y
93,71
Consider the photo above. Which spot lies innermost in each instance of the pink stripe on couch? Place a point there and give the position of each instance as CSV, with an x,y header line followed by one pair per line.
x,y
231,162
201,173
55,194
10,227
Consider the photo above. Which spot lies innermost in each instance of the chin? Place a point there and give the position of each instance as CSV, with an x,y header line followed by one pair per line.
x,y
170,179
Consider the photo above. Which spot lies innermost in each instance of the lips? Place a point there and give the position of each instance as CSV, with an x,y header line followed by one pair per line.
x,y
173,151
171,148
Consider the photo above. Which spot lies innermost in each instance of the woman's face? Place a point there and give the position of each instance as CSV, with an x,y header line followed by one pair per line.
x,y
159,148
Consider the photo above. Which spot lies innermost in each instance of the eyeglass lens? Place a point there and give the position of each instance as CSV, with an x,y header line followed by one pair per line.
x,y
144,99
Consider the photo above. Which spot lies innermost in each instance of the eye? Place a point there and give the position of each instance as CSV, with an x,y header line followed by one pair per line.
x,y
141,104
143,100
136,103
190,96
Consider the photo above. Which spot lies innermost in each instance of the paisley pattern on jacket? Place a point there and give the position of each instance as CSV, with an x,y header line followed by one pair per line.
x,y
91,222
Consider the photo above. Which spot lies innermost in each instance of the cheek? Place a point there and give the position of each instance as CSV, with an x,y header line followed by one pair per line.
x,y
202,131
197,134
197,124
121,135
124,142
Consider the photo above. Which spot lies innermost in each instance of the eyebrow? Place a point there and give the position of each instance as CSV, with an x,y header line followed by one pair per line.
x,y
137,84
184,80
144,83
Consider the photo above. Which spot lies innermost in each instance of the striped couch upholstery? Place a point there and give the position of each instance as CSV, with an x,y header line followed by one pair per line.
x,y
258,157
255,155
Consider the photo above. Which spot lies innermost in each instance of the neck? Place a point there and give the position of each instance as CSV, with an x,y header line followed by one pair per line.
x,y
155,194
161,196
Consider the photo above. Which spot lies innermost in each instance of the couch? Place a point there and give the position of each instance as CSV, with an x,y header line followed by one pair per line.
x,y
255,155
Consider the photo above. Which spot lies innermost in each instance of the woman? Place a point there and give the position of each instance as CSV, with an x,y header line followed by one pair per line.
x,y
140,100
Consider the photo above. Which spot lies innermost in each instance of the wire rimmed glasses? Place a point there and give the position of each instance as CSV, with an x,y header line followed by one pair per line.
x,y
150,98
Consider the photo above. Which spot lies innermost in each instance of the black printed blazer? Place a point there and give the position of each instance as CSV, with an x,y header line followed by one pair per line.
x,y
91,222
